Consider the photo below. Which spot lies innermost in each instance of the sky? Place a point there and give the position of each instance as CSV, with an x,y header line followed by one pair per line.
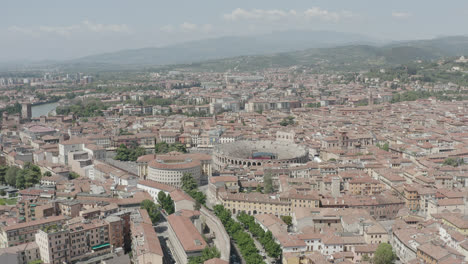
x,y
34,30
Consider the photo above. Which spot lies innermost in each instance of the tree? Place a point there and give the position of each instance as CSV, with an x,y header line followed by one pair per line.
x,y
162,198
242,239
452,162
152,209
384,254
287,121
20,180
123,153
265,238
366,258
163,147
10,175
385,146
32,174
268,180
207,254
287,219
257,189
166,202
188,183
3,171
135,153
47,174
73,175
129,154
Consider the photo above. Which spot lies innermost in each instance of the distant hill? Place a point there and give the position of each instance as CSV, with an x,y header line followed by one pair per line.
x,y
324,51
345,58
225,47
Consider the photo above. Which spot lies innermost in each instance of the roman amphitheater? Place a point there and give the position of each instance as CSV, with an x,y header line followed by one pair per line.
x,y
256,153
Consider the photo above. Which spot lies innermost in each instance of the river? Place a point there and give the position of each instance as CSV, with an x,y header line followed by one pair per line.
x,y
43,109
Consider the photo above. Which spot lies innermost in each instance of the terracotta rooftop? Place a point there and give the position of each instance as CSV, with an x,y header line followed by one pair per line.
x,y
186,233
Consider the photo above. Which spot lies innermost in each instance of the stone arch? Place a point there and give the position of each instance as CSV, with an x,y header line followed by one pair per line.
x,y
254,212
249,164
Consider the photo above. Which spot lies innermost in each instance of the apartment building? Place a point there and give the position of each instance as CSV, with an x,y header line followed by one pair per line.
x,y
21,254
74,241
53,245
16,234
254,203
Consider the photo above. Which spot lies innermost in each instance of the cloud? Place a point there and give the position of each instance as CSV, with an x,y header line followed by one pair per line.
x,y
273,14
314,13
401,14
22,30
106,27
62,31
322,14
207,28
66,31
188,27
168,28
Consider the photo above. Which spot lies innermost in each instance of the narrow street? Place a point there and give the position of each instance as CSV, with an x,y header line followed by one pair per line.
x,y
259,247
163,235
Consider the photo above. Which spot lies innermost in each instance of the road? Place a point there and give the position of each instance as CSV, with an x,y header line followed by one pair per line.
x,y
262,251
162,230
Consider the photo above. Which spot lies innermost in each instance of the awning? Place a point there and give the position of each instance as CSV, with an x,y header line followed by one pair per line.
x,y
100,246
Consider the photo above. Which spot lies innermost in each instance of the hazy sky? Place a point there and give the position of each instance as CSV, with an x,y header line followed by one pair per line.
x,y
62,29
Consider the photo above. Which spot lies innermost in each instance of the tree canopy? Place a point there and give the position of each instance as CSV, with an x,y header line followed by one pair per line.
x,y
287,219
152,209
453,162
268,179
163,147
272,248
189,185
73,175
384,254
20,178
166,202
287,121
92,107
129,154
245,242
207,254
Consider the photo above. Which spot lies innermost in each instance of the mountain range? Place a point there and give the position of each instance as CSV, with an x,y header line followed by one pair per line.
x,y
354,57
324,50
225,47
